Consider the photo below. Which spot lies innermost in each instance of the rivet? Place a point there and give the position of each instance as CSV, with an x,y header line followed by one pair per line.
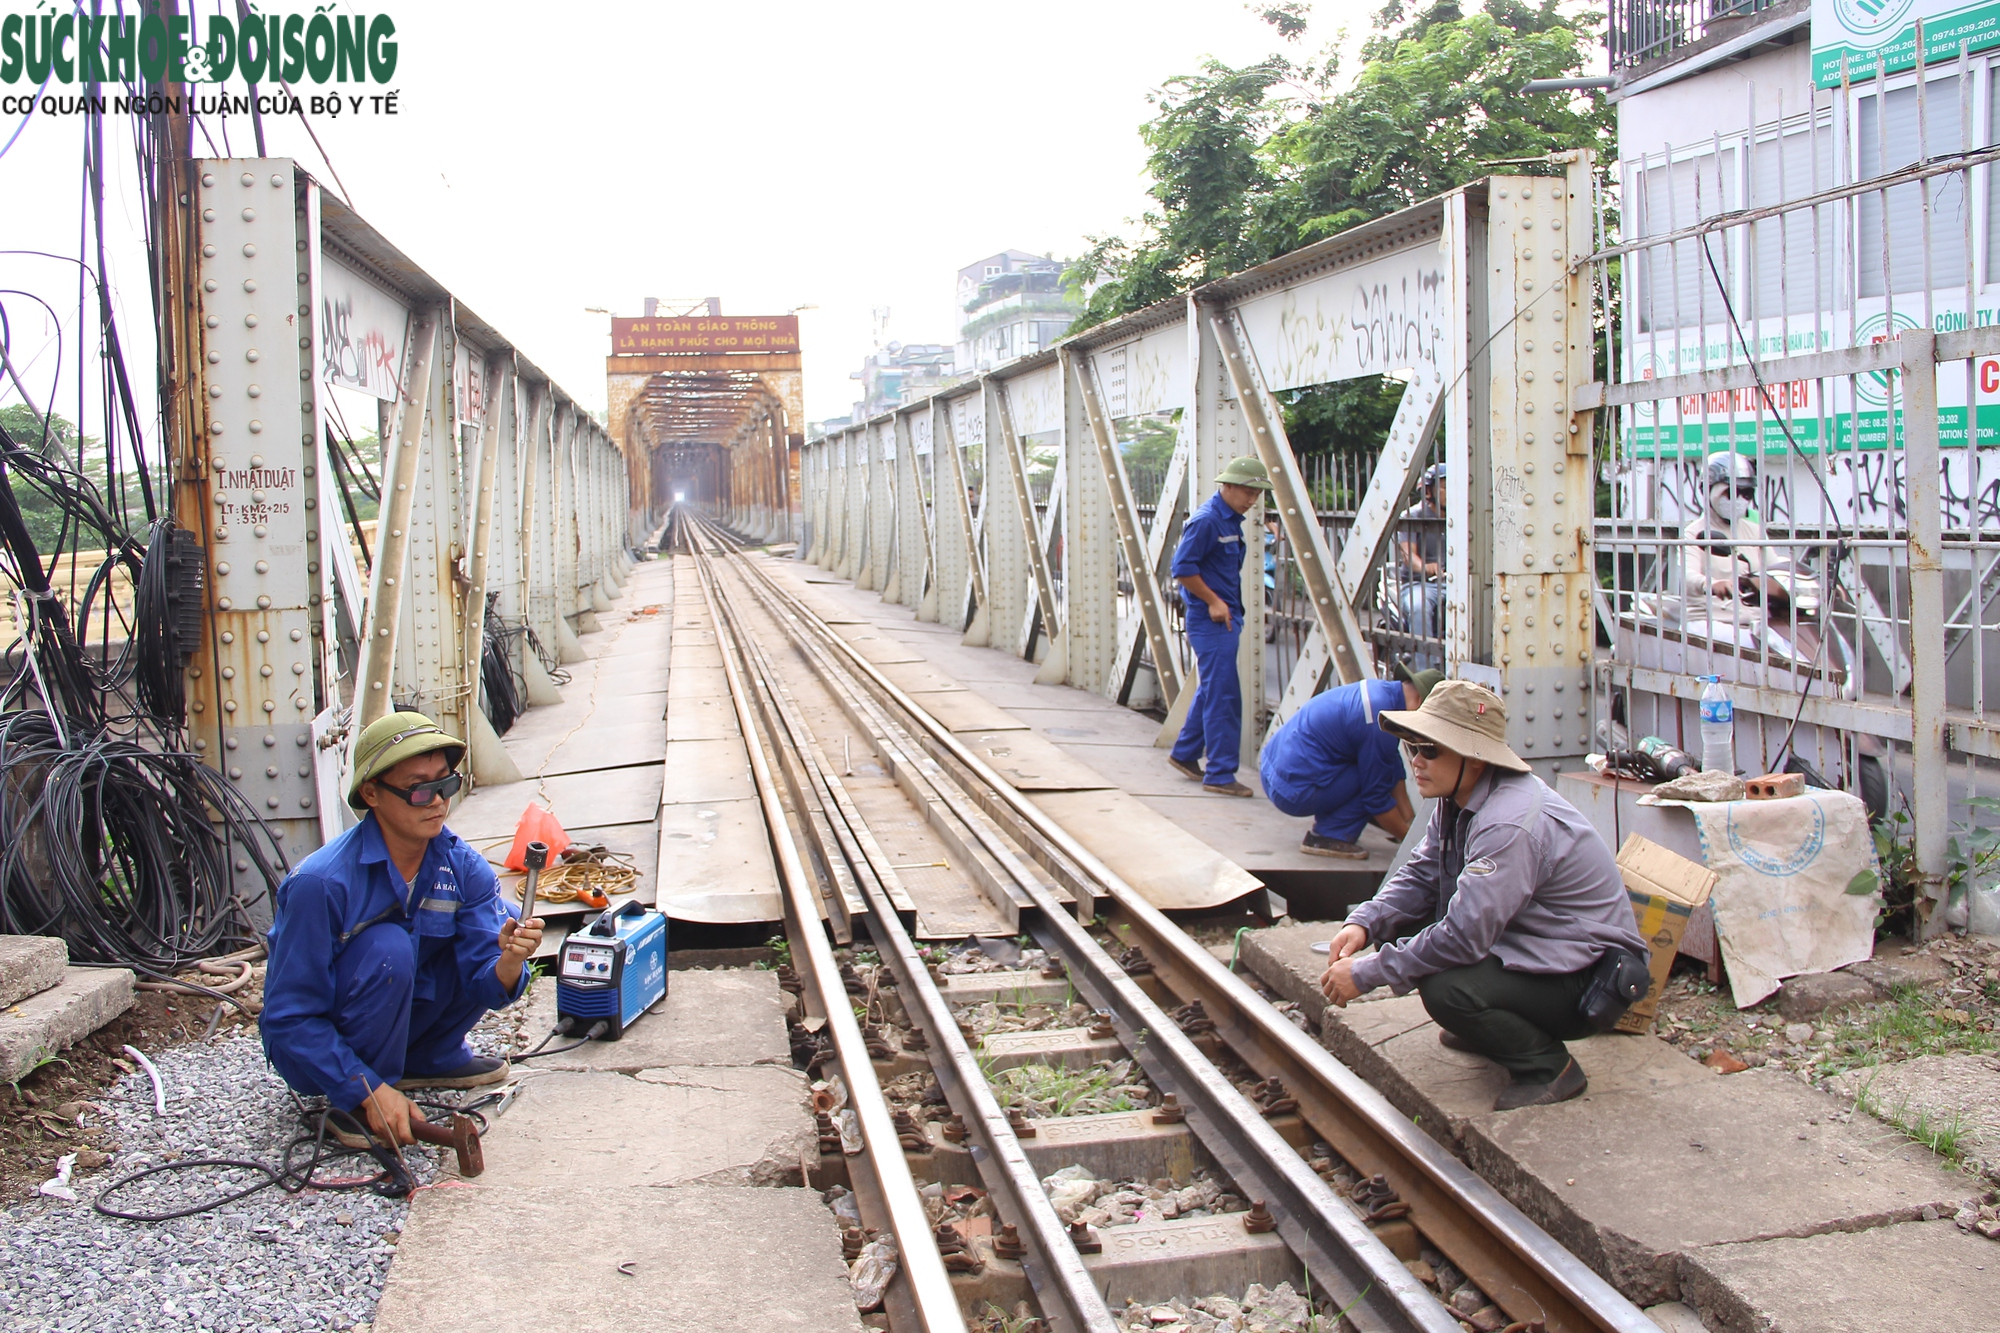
x,y
249,215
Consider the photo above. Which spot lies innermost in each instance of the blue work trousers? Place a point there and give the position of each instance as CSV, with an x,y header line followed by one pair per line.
x,y
1338,806
1215,718
381,1017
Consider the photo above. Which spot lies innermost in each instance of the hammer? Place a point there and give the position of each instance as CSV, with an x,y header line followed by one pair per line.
x,y
458,1134
536,855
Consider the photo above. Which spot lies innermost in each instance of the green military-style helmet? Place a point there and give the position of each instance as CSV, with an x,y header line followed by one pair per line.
x,y
1245,471
388,741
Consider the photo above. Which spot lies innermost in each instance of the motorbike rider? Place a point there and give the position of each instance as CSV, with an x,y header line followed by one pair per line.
x,y
1724,560
1420,548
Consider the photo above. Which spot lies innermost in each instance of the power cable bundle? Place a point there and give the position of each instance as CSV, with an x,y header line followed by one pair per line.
x,y
113,834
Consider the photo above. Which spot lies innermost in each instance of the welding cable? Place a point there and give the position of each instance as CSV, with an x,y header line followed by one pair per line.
x,y
597,1029
292,1175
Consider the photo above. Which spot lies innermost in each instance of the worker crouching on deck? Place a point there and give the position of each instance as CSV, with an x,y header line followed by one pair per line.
x,y
1329,760
391,941
1503,912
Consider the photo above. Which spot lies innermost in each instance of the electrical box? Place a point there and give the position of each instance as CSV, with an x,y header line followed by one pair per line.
x,y
615,968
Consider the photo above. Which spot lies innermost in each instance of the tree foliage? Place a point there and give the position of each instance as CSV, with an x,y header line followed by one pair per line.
x,y
1250,163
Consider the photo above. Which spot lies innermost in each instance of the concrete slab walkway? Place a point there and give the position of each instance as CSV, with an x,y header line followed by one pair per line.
x,y
654,1182
1760,1201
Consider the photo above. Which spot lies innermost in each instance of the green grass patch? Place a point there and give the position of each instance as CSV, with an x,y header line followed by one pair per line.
x,y
1909,1024
1046,1090
1945,1135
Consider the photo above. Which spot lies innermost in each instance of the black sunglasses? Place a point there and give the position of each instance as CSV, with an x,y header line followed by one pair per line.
x,y
423,793
1422,750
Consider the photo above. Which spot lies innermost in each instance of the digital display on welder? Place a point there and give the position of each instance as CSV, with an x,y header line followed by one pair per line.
x,y
583,963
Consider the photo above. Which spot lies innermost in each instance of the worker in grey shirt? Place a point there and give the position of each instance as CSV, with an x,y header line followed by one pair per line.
x,y
1499,916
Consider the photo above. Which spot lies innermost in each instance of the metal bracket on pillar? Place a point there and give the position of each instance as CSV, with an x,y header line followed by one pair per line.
x,y
1332,603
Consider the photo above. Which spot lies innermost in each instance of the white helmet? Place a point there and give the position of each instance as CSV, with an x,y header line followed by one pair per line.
x,y
1729,485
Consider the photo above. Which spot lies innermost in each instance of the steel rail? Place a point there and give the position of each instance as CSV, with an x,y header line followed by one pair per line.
x,y
1531,1276
929,1283
1376,1291
1069,1299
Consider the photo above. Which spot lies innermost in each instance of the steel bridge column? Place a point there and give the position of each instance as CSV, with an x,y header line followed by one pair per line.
x,y
960,578
1090,551
1017,576
912,547
250,483
1146,589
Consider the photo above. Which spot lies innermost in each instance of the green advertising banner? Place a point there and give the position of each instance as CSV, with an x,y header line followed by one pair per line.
x,y
1882,34
1849,431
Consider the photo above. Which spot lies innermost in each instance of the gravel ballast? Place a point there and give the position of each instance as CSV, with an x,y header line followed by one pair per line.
x,y
271,1261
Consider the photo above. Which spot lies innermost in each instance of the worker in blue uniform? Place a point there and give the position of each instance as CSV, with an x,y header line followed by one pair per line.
x,y
390,942
1331,761
1208,564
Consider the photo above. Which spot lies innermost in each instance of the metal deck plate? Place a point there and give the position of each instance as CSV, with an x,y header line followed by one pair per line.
x,y
709,770
578,800
1170,867
715,859
1032,763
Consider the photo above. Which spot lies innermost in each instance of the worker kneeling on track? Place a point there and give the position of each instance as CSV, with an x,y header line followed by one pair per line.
x,y
1329,760
391,941
1512,902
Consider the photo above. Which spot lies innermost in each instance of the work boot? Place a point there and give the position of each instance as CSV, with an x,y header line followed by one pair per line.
x,y
1185,770
1570,1083
474,1073
1451,1041
1227,789
348,1129
1338,848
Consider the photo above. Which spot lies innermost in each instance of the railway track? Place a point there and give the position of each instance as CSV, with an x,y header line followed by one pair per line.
x,y
1328,1167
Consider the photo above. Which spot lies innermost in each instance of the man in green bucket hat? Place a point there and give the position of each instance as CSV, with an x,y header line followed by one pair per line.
x,y
390,942
1208,564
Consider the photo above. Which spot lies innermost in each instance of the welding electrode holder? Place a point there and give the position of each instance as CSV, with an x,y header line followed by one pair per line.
x,y
535,856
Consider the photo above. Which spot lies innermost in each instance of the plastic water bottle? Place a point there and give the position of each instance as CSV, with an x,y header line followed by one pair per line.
x,y
1718,728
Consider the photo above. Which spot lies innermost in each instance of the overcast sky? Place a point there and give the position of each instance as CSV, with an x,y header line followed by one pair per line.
x,y
847,156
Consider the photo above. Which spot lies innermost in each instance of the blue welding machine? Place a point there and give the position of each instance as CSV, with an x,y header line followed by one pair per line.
x,y
614,969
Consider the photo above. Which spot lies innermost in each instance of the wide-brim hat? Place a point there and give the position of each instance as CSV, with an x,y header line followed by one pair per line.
x,y
1245,471
1465,718
388,741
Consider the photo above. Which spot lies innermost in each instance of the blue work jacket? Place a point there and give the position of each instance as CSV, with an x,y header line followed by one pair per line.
x,y
1336,730
1212,546
453,909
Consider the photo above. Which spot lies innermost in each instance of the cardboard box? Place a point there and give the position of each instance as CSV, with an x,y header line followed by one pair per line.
x,y
1665,888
